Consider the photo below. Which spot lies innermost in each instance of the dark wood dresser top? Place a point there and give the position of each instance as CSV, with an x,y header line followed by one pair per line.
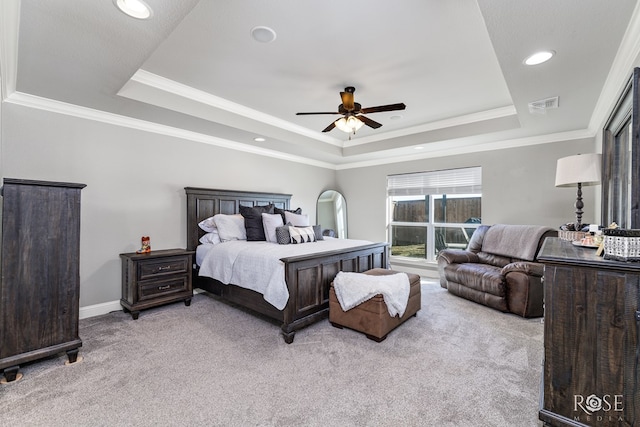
x,y
555,250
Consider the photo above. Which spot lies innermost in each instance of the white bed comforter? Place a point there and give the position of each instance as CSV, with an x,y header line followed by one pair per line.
x,y
257,265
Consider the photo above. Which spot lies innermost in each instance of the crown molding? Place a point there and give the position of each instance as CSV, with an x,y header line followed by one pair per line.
x,y
436,149
481,116
170,86
58,107
465,146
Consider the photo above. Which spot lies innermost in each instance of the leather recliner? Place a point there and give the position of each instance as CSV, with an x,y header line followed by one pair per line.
x,y
498,268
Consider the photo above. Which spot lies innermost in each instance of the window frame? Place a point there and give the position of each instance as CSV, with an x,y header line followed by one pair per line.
x,y
430,225
620,191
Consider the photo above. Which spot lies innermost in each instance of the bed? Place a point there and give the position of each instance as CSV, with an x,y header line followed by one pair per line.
x,y
307,276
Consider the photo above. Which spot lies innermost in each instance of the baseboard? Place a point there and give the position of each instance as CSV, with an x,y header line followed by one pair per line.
x,y
428,271
108,307
99,309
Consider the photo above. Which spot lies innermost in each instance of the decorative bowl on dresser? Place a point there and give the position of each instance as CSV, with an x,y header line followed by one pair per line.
x,y
155,278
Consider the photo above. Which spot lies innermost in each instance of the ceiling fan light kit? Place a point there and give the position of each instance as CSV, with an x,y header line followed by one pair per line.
x,y
352,112
349,124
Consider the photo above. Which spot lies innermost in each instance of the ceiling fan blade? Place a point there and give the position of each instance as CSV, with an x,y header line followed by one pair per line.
x,y
347,98
390,107
330,127
367,121
323,112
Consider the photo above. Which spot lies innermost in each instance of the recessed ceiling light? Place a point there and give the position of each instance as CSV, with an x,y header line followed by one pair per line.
x,y
396,117
259,139
263,34
134,8
419,147
539,57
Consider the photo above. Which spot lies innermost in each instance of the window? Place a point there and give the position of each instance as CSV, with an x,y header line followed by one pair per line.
x,y
431,211
621,159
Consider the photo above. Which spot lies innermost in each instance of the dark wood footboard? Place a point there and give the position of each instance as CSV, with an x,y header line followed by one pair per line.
x,y
308,277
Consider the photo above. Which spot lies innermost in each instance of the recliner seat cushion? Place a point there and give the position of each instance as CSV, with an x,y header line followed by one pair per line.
x,y
481,277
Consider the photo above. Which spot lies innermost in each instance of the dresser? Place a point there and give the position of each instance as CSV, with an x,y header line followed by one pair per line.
x,y
591,368
155,278
40,287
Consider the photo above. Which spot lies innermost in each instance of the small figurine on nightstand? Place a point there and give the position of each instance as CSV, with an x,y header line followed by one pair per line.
x,y
146,245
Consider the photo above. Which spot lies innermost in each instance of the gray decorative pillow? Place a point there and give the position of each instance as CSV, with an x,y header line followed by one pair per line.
x,y
317,229
282,235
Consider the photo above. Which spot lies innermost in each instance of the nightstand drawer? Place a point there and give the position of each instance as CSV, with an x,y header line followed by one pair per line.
x,y
155,278
163,266
157,288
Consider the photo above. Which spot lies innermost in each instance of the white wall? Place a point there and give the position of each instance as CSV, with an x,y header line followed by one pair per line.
x,y
517,187
135,183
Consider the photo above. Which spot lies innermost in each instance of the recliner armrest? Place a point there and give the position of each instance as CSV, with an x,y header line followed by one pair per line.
x,y
457,256
526,267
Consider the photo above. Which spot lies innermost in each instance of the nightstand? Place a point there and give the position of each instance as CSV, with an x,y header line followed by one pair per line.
x,y
155,278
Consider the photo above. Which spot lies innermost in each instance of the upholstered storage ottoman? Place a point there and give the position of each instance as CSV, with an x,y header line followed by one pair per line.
x,y
372,316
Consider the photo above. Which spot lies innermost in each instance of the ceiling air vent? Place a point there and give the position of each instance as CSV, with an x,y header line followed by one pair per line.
x,y
541,107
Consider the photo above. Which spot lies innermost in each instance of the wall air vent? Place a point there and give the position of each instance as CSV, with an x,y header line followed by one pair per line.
x,y
541,107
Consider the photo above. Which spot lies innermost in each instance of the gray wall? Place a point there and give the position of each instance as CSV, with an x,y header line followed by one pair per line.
x,y
517,187
135,183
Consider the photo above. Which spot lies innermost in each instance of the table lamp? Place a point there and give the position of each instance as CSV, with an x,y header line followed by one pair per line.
x,y
581,169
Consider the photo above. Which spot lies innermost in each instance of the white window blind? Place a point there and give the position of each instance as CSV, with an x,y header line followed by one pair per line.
x,y
449,181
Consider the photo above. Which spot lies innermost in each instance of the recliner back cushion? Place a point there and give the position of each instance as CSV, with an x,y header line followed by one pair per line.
x,y
475,244
495,260
516,241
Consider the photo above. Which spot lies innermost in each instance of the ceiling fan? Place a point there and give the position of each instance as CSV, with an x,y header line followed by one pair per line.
x,y
352,112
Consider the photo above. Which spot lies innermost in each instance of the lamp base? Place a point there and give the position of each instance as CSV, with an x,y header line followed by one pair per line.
x,y
579,205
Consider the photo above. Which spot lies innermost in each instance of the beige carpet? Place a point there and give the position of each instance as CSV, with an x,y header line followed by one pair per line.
x,y
456,364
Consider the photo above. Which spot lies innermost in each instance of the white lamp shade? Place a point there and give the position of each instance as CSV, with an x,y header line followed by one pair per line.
x,y
585,169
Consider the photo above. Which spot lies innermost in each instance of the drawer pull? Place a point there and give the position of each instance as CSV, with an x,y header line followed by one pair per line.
x,y
163,288
168,267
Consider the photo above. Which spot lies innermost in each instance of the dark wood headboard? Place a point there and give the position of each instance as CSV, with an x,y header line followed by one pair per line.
x,y
203,203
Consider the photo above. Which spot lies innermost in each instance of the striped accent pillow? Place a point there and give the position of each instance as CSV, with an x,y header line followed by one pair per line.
x,y
302,234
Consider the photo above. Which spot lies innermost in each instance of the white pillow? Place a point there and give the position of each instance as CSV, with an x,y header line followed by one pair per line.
x,y
230,227
207,225
298,220
213,237
270,222
302,234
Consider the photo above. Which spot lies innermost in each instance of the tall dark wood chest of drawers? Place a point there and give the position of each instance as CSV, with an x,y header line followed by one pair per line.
x,y
591,338
40,289
155,278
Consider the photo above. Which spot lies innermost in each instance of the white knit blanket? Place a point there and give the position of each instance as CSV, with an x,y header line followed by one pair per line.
x,y
352,289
